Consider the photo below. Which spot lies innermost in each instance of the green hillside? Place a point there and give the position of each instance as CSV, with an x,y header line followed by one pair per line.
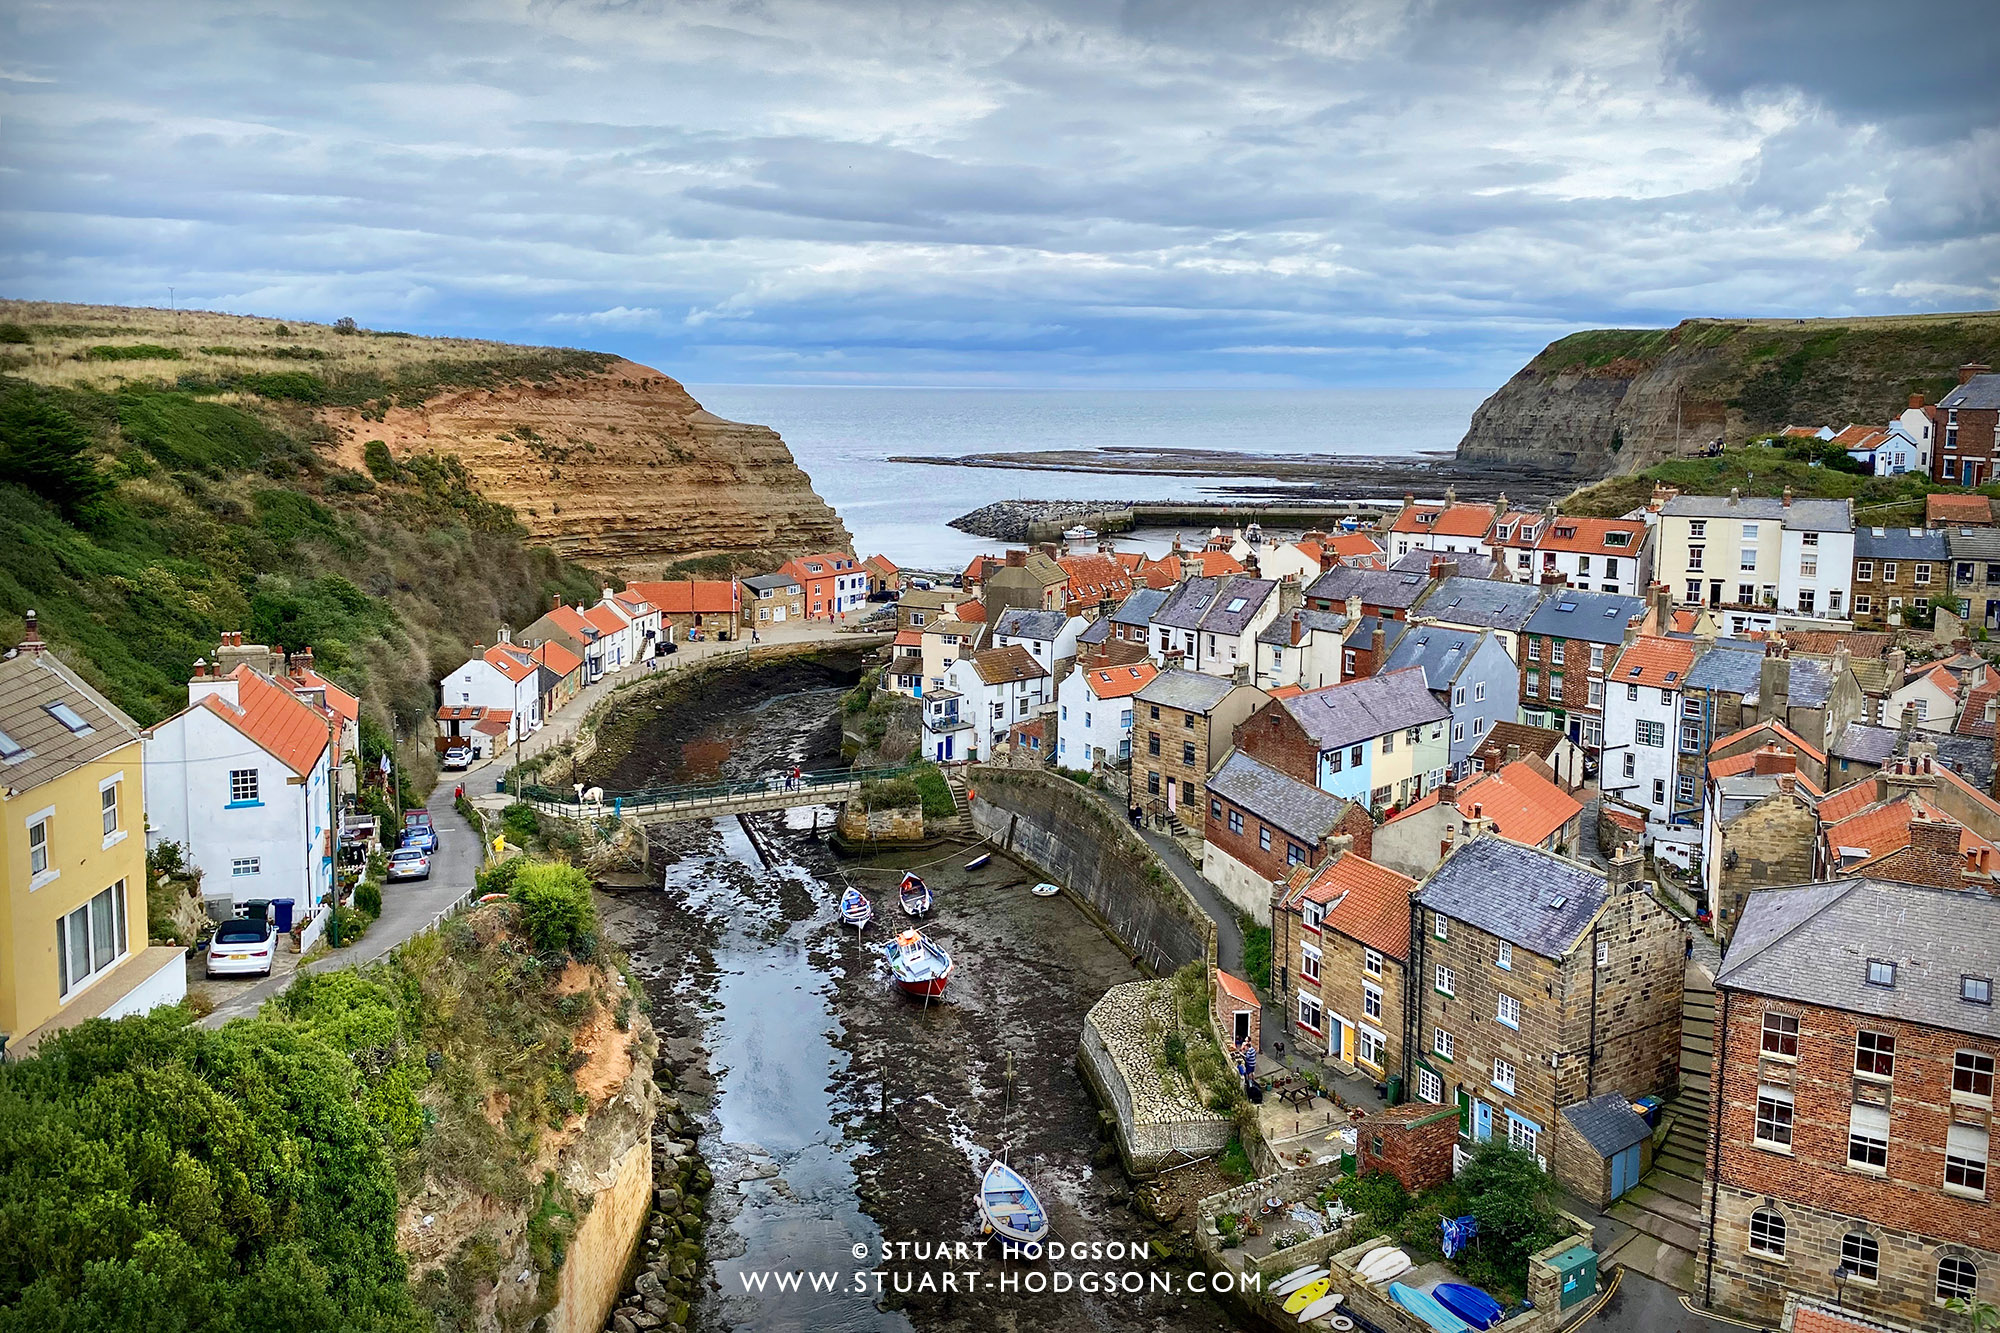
x,y
1766,468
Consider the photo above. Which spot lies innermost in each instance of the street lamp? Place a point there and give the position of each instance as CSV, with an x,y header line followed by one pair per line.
x,y
1840,1276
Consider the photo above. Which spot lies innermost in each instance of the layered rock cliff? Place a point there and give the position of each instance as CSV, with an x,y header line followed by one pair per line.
x,y
1610,401
621,470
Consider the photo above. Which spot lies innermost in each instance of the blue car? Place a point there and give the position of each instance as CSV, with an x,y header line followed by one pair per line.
x,y
421,836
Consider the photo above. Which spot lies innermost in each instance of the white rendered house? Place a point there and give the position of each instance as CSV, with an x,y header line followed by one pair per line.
x,y
501,677
1094,713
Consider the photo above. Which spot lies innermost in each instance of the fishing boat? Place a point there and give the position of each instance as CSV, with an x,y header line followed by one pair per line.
x,y
915,895
1009,1205
855,909
979,860
1046,890
1079,534
920,967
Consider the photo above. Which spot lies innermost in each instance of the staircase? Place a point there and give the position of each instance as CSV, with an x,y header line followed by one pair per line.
x,y
959,823
1664,1209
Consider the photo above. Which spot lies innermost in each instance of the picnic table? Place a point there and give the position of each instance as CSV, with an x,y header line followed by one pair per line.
x,y
1294,1092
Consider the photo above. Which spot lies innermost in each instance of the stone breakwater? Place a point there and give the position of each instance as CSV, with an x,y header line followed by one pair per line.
x,y
1011,520
669,1264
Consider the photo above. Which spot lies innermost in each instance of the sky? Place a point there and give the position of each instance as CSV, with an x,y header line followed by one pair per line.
x,y
1144,194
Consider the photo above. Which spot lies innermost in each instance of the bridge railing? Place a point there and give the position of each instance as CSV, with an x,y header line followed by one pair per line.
x,y
685,793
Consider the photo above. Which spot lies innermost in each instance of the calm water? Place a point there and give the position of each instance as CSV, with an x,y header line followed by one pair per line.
x,y
842,437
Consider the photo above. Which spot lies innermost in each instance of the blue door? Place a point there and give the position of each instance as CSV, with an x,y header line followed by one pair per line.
x,y
1624,1170
1482,1122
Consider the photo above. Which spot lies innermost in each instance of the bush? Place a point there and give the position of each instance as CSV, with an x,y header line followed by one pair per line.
x,y
1378,1197
1235,1161
499,877
1257,954
349,924
934,792
1512,1198
368,898
14,333
44,448
520,824
380,462
556,908
131,352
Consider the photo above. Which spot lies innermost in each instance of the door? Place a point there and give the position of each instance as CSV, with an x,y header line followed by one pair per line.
x,y
1624,1170
1242,1026
778,614
1336,1037
1170,795
1464,1112
1482,1122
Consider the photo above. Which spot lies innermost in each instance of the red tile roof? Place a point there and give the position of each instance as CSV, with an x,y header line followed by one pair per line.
x,y
1801,432
556,658
1840,804
604,620
684,597
1120,681
1650,660
510,661
970,613
339,701
1946,509
1592,536
1878,830
1364,902
976,571
882,565
461,712
274,719
1093,577
998,666
1457,520
1522,804
571,620
1778,729
1287,691
1349,546
909,638
1236,988
1215,563
495,723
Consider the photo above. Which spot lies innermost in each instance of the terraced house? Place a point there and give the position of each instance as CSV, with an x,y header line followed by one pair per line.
x,y
1851,1138
1966,450
1752,558
1263,824
1210,625
1446,528
1975,572
1897,574
1340,945
1613,555
1569,643
1182,722
1476,604
1379,740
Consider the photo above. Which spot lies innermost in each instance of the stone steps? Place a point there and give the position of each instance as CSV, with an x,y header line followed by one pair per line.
x,y
1681,1229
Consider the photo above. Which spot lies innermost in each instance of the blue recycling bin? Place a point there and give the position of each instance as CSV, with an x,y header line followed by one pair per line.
x,y
281,908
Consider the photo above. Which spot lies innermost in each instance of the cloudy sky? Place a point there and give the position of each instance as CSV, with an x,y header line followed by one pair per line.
x,y
1182,192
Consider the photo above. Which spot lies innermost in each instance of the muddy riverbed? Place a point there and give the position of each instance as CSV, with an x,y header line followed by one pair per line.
x,y
841,1118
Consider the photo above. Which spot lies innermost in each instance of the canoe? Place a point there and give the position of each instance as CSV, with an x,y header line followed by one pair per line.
x,y
1307,1294
920,967
1325,1305
1046,890
1010,1206
1297,1278
855,908
1425,1307
1471,1304
1384,1264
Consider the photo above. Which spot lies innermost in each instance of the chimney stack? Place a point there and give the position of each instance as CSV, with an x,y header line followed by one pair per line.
x,y
1934,855
1774,683
1354,609
1971,368
1017,559
1627,865
1772,759
1378,639
1788,497
1735,495
31,639
1500,505
1916,400
1513,754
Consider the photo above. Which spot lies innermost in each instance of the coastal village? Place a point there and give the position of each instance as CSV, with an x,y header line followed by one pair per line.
x,y
1660,849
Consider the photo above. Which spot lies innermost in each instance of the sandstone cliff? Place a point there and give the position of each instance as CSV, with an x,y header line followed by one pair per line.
x,y
1617,400
621,470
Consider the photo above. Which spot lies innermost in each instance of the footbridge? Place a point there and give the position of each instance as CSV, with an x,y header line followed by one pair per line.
x,y
672,805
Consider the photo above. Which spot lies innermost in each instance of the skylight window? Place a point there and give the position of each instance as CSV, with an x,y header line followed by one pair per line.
x,y
69,717
1237,604
11,749
1637,672
1671,675
1565,606
1881,973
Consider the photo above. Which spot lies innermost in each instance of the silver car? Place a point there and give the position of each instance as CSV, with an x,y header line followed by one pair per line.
x,y
409,863
242,948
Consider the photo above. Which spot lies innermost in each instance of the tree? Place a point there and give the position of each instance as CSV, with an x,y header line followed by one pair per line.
x,y
48,451
1512,1199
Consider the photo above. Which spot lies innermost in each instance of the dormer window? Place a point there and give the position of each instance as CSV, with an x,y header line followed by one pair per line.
x,y
1976,990
1881,973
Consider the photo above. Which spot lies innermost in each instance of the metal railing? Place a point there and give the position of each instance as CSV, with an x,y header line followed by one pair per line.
x,y
696,792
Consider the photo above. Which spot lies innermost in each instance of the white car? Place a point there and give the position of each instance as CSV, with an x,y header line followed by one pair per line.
x,y
242,948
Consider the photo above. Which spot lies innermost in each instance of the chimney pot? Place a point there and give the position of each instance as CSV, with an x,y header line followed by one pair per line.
x,y
1788,496
1916,400
1513,754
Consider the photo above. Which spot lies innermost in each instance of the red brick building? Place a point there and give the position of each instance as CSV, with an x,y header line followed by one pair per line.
x,y
1965,453
1262,824
1853,1123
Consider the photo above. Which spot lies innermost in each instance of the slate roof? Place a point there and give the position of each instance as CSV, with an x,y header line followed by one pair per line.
x,y
1471,564
1594,617
1279,631
1729,670
1364,632
999,666
1020,623
1866,743
1810,683
1097,631
1441,653
1538,741
1981,391
1215,605
1813,942
1533,899
1375,587
1973,543
1360,710
1138,609
1971,757
773,582
1608,1123
1481,603
1800,515
1900,544
1299,808
29,683
1189,691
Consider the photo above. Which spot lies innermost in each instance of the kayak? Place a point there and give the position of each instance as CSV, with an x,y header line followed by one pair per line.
x,y
1471,1304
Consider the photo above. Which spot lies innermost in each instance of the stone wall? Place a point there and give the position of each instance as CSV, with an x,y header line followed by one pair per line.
x,y
1157,1124
1769,844
861,824
594,1265
1080,844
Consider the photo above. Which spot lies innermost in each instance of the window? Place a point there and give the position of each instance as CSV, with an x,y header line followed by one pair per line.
x,y
1309,959
1214,808
1368,1047
38,846
1694,557
1631,764
1457,732
1263,838
1698,527
1371,1002
1354,756
1556,651
1976,990
1875,1054
108,799
1652,734
90,939
1458,697
1153,782
246,865
1534,683
1507,1010
1972,1075
1446,980
1534,648
1152,742
1236,822
1371,962
1748,560
69,717
1864,571
242,786
1965,1158
1684,789
1187,753
1604,953
1438,925
1295,855
1505,958
1309,1013
1956,1278
1503,1075
1774,1118
1923,575
1868,1138
1314,913
1863,604
1746,593
1806,596
1881,973
1781,1036
1441,1044
1389,743
1888,571
1659,791
1694,591
1430,1088
1521,1134
1767,1233
1861,1256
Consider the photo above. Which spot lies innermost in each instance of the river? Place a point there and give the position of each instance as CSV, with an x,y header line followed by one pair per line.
x,y
837,1115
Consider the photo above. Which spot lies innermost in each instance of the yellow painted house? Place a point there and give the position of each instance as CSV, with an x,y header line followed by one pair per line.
x,y
73,835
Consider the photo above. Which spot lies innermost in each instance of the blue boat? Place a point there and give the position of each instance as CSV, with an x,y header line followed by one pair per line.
x,y
1471,1304
1010,1206
1425,1307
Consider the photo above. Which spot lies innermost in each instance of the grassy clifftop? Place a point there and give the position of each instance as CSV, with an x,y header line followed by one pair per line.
x,y
1766,469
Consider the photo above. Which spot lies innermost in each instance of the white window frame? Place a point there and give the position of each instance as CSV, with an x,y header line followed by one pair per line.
x,y
1430,1086
1507,1011
1504,957
1780,1100
103,913
1442,1043
242,867
1503,1075
1445,980
1312,1016
1371,962
1371,1002
1310,958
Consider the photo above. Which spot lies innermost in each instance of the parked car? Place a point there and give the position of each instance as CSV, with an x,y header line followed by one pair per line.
x,y
409,863
458,758
243,948
423,837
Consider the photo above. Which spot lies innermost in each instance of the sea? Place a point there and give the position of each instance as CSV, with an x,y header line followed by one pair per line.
x,y
843,438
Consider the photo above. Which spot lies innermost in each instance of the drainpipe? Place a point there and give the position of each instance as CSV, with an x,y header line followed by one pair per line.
x,y
1413,997
1715,1068
1590,1062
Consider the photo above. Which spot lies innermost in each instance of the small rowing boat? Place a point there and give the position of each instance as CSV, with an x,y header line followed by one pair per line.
x,y
1425,1307
855,909
1046,890
919,966
1469,1303
979,860
915,896
1010,1206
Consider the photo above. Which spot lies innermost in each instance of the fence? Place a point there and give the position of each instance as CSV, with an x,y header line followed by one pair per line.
x,y
709,791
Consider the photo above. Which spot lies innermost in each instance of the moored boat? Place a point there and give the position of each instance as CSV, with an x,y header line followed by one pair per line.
x,y
1010,1206
920,967
855,909
1079,534
915,895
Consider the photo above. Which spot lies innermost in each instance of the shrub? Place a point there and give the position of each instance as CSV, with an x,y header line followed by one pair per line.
x,y
520,824
380,462
14,333
1235,1161
934,792
368,898
349,924
131,352
556,908
1378,1197
46,449
1513,1200
499,877
1257,954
